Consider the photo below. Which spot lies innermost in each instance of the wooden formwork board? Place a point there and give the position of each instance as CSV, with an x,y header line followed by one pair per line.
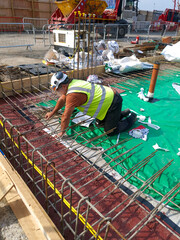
x,y
34,221
152,59
44,80
27,8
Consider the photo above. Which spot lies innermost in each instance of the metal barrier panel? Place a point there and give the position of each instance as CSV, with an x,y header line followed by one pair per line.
x,y
141,26
163,30
115,31
47,30
171,29
97,31
38,23
111,32
14,35
140,29
100,31
145,30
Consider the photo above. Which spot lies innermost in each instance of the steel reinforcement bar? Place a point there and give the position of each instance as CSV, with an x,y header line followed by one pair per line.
x,y
74,189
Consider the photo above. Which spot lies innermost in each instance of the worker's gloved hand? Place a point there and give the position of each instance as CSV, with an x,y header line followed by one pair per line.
x,y
48,115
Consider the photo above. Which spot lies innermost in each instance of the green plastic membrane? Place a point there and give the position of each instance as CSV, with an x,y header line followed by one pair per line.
x,y
166,114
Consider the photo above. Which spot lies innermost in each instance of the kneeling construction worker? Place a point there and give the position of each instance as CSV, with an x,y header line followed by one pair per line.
x,y
97,101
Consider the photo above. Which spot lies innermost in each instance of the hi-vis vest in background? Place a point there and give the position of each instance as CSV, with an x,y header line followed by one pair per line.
x,y
99,98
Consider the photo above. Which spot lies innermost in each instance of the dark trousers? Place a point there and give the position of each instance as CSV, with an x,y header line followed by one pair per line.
x,y
113,115
116,120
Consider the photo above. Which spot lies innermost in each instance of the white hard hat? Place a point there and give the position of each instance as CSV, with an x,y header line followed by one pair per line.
x,y
57,79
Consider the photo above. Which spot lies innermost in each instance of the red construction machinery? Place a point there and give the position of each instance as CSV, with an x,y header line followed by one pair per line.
x,y
108,11
170,18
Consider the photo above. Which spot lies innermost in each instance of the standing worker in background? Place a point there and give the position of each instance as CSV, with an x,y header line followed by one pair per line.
x,y
95,100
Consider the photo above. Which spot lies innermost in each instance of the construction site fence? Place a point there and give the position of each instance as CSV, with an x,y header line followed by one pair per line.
x,y
27,33
145,30
98,31
38,23
15,35
169,29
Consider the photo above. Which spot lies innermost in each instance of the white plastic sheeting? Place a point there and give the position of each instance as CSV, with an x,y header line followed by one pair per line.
x,y
126,64
176,86
93,79
113,46
172,53
83,120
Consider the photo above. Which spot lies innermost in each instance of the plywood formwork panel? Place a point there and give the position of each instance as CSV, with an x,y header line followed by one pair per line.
x,y
46,6
4,13
18,84
5,4
27,8
26,83
44,14
23,12
21,4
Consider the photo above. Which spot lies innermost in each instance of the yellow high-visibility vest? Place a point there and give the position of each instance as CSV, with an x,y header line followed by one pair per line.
x,y
99,98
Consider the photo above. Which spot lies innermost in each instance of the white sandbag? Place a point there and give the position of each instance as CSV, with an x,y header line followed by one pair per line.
x,y
126,64
129,64
94,60
113,46
52,54
172,53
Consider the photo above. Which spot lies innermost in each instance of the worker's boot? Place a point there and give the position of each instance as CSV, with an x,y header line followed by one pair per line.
x,y
127,123
125,113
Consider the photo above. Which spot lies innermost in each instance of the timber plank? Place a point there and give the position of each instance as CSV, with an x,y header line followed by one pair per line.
x,y
31,216
44,80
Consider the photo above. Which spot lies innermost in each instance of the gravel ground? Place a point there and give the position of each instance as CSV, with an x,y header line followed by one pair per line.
x,y
14,56
9,226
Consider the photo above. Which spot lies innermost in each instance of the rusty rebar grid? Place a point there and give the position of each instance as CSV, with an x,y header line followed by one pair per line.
x,y
37,153
51,203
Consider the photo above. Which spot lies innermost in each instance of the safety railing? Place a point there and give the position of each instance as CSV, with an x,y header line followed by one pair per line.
x,y
48,37
38,23
140,26
25,34
97,31
47,31
115,31
14,35
162,30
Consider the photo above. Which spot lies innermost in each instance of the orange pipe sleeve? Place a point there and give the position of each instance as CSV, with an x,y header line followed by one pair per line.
x,y
153,80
